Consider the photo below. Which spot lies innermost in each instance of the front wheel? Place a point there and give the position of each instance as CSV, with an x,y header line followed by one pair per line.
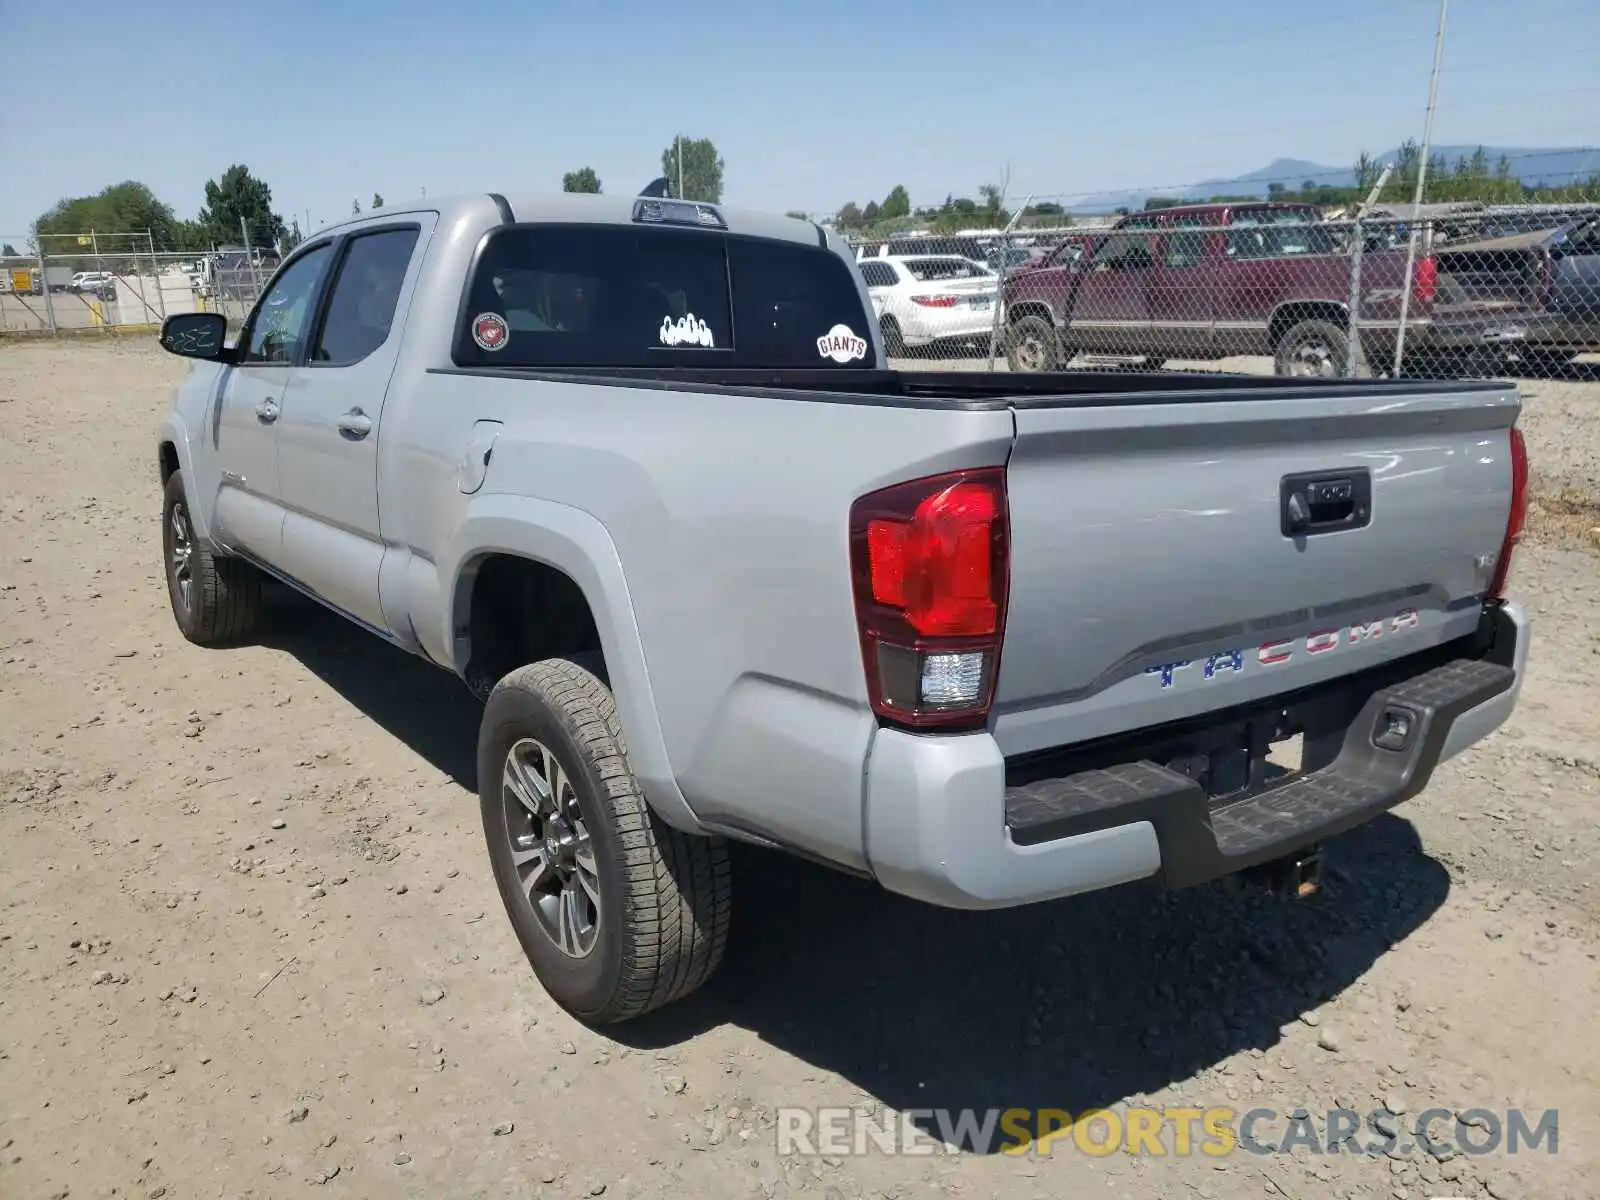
x,y
215,600
1312,350
1032,345
618,912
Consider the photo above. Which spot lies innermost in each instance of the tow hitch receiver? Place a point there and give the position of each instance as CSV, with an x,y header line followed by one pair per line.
x,y
1294,876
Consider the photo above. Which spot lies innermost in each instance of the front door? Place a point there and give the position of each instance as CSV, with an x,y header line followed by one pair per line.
x,y
329,428
1109,314
248,508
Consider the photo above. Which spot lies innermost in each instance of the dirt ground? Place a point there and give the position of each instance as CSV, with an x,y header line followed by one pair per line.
x,y
249,944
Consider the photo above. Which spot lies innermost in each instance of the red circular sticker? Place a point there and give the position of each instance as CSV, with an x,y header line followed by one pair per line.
x,y
490,331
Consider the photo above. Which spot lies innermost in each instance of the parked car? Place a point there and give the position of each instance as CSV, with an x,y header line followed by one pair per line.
x,y
1006,259
635,471
1547,280
958,245
99,284
927,300
1209,281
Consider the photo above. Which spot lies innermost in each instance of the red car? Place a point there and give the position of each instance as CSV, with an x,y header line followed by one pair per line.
x,y
1214,280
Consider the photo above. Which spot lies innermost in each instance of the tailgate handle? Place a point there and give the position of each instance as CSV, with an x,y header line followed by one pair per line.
x,y
1325,502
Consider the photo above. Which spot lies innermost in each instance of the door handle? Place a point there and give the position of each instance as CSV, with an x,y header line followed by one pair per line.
x,y
355,424
267,411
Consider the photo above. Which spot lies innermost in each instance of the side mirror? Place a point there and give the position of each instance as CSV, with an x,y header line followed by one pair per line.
x,y
195,335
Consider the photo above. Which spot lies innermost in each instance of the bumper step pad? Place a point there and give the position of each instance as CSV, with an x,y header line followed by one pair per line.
x,y
1200,841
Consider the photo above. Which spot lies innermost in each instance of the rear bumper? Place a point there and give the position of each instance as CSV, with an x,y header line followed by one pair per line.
x,y
936,325
946,825
1508,330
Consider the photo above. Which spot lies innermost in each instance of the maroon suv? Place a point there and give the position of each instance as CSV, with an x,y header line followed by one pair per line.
x,y
1214,280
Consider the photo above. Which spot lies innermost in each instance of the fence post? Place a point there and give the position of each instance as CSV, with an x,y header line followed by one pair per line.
x,y
1356,366
1355,359
155,274
250,258
996,326
44,286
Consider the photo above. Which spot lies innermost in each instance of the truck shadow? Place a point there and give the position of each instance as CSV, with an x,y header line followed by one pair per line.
x,y
1070,1005
428,709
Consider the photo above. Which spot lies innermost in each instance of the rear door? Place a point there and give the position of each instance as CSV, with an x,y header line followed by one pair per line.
x,y
1151,579
328,447
1182,285
1272,257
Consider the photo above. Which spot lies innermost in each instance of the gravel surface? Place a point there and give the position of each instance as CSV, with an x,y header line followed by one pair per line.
x,y
250,947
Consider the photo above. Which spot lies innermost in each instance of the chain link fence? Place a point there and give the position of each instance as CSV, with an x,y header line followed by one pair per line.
x,y
1468,289
67,283
1293,290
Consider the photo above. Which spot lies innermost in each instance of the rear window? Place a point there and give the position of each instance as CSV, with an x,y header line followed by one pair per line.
x,y
1278,233
926,270
622,296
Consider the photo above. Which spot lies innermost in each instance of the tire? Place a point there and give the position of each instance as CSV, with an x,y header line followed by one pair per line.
x,y
215,600
634,914
1032,345
894,345
1541,362
1312,349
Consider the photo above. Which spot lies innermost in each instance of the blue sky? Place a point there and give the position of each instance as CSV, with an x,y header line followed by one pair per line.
x,y
810,104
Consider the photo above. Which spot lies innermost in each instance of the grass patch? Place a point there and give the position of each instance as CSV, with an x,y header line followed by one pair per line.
x,y
1564,516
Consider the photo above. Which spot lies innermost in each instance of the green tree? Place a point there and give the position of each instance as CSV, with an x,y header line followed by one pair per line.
x,y
293,237
701,169
1367,171
583,180
190,236
871,213
896,204
122,208
238,195
9,251
849,217
377,200
798,215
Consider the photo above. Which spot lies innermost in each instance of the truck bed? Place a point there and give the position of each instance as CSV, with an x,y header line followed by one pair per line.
x,y
990,390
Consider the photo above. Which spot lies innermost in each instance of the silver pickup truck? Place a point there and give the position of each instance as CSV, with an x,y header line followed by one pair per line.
x,y
637,472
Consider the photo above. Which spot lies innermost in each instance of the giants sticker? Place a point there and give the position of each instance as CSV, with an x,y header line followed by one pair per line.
x,y
842,345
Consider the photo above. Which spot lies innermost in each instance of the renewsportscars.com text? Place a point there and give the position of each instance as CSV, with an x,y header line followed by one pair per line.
x,y
1166,1132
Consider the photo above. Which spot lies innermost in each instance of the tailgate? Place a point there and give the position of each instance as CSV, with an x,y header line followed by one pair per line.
x,y
1151,578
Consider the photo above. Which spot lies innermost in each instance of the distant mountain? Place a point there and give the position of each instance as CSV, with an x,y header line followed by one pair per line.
x,y
1555,166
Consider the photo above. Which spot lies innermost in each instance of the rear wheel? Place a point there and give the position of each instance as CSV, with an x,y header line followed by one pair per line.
x,y
1546,362
1312,350
618,912
894,343
215,600
1032,345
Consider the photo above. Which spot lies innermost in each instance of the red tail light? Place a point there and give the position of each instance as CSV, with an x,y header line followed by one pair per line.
x,y
1519,513
936,301
1425,281
930,563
